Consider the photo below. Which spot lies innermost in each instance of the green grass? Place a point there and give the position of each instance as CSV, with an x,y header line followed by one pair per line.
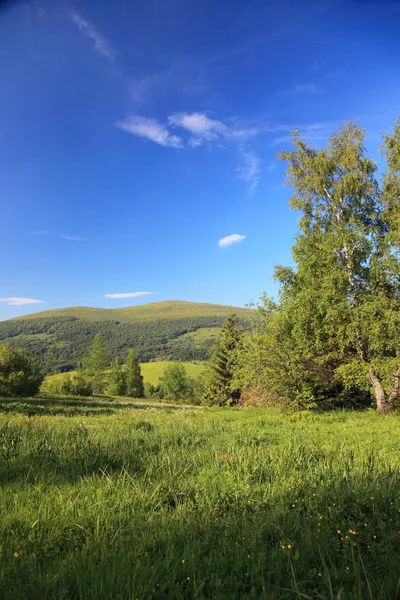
x,y
205,333
152,371
106,500
173,309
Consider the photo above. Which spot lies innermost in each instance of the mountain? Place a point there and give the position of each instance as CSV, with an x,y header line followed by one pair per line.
x,y
170,309
172,330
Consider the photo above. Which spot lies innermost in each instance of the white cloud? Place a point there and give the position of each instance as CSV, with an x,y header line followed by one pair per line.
x,y
204,131
250,169
73,238
235,238
127,295
150,129
100,43
20,301
200,125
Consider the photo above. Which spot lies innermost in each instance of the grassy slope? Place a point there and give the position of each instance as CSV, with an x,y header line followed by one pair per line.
x,y
151,371
145,312
118,502
205,333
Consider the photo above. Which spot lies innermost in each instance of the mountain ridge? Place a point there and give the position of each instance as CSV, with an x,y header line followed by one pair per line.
x,y
167,309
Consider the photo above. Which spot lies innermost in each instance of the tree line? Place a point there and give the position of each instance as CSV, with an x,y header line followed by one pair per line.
x,y
99,375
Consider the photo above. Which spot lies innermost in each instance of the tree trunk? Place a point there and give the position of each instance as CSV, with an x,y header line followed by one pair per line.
x,y
382,404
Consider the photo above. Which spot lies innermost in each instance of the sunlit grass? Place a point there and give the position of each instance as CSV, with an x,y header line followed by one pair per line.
x,y
198,503
151,371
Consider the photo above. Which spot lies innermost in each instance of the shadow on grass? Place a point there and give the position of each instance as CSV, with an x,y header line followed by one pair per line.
x,y
69,407
221,556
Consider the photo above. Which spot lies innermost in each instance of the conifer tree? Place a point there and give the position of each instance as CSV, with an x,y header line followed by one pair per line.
x,y
134,377
219,387
94,365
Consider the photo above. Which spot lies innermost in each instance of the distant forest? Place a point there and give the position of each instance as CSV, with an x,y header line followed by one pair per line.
x,y
61,342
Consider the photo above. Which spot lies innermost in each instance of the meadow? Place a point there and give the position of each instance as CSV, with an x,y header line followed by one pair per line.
x,y
151,371
131,500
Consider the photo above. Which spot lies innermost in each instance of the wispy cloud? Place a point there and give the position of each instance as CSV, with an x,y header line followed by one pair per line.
x,y
299,88
184,75
37,232
20,301
150,129
249,170
100,43
73,238
200,125
127,295
310,132
206,128
203,131
235,238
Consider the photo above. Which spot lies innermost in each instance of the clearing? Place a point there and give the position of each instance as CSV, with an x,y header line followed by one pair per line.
x,y
131,500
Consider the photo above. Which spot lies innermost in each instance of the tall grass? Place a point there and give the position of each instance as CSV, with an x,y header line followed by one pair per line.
x,y
198,503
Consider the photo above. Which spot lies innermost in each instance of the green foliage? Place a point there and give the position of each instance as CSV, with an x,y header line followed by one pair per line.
x,y
220,386
20,373
391,186
94,365
174,382
340,304
67,384
334,335
117,380
150,390
134,377
127,502
274,371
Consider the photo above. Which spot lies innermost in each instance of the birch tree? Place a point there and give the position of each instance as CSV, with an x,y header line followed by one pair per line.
x,y
342,295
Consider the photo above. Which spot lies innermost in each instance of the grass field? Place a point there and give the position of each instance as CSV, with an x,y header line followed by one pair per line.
x,y
102,500
151,371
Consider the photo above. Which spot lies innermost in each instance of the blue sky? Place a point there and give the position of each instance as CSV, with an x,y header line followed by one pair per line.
x,y
135,135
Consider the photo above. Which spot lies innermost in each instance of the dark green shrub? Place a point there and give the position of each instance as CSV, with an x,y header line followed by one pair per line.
x,y
20,373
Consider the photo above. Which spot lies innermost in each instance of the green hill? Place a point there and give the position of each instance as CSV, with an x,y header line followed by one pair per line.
x,y
170,309
162,331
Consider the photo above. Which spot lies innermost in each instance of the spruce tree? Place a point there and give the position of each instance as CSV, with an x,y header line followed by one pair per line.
x,y
94,365
134,377
219,387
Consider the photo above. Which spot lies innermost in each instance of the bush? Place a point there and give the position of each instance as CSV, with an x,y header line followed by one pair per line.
x,y
68,385
20,373
151,391
174,382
